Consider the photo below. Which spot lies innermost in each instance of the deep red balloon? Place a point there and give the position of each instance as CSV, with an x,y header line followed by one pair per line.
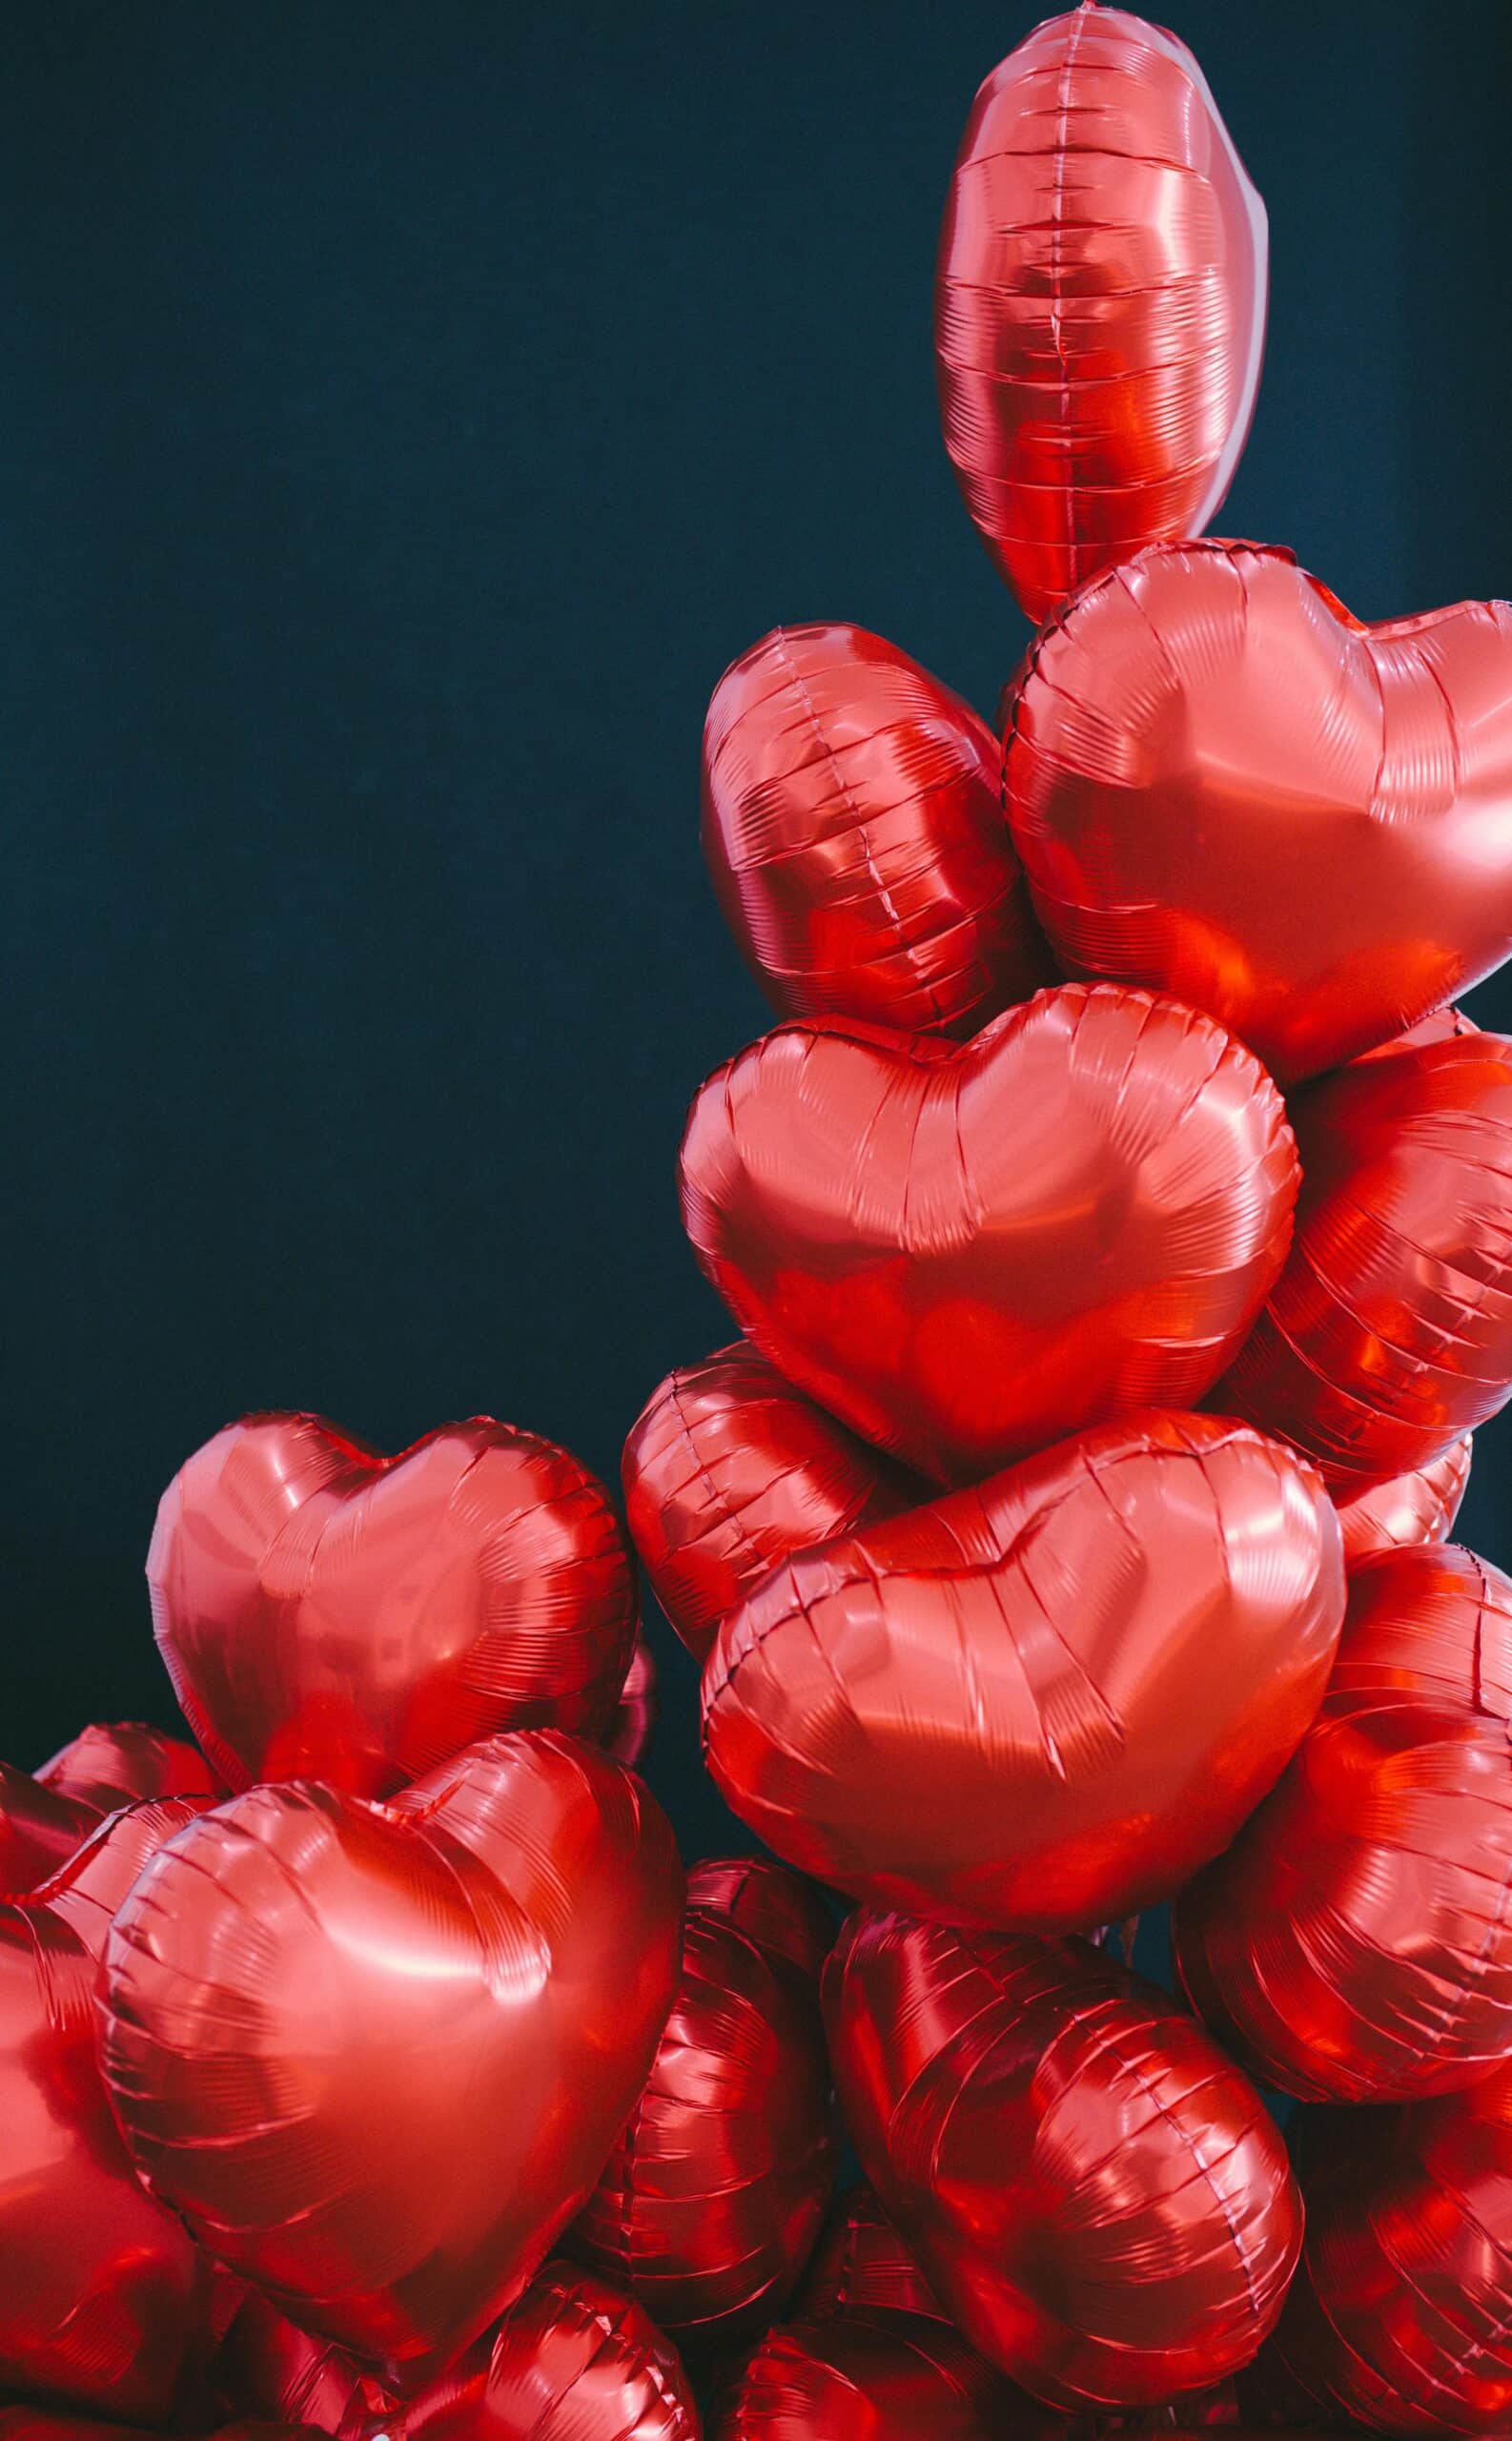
x,y
634,1723
375,2055
1101,302
1405,1509
776,1909
267,2367
329,1612
968,1251
1355,1944
1389,1333
711,2198
40,1828
854,835
121,1762
861,2268
727,1470
103,2298
1224,787
1400,2316
42,2424
856,2380
1045,1701
1093,2193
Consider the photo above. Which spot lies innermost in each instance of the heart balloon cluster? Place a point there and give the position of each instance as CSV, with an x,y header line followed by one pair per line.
x,y
1117,1229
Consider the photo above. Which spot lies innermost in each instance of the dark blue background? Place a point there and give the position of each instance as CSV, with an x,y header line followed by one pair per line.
x,y
406,412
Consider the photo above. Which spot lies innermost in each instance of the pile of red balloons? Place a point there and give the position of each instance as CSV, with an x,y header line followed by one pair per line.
x,y
1119,1230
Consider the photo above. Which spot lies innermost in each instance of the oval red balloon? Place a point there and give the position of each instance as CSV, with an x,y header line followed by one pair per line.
x,y
968,1251
1407,1509
1353,1945
375,2055
123,1762
326,1611
1093,2190
853,831
1042,1702
856,2381
727,1470
1224,787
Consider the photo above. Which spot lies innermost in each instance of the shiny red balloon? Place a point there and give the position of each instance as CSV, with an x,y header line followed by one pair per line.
x,y
121,1762
1045,1701
329,1612
1405,1509
1355,1944
40,1828
968,1251
103,2298
634,1723
266,2368
1101,302
1400,2316
41,2424
709,2203
861,2268
1389,1333
375,2055
853,831
776,1909
727,1470
857,2381
1093,2193
1224,787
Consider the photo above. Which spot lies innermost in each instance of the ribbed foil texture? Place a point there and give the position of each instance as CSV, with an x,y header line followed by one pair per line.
x,y
856,2381
1100,300
1094,2192
1355,1944
1042,1702
1407,1509
326,1611
855,839
1223,786
729,1469
968,1251
121,1762
861,2269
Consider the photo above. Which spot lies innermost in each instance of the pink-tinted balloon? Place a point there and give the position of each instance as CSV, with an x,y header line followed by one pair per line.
x,y
1407,1509
122,1762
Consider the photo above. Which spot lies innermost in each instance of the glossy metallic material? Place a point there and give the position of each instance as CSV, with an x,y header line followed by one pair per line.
x,y
1355,1944
1224,787
1389,1333
121,1762
852,827
1042,1702
40,1828
328,1613
710,2201
778,1910
861,2269
727,1470
968,1251
634,1723
1093,2191
104,2301
376,2055
856,2381
1101,302
1405,1509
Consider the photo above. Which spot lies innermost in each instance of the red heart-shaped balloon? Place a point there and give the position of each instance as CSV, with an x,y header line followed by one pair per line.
x,y
327,1611
1223,786
853,832
1100,302
710,2201
40,1828
103,2300
968,1251
123,1762
1407,1509
856,2381
1355,1944
375,2055
1094,2194
1389,1333
727,1470
1042,1702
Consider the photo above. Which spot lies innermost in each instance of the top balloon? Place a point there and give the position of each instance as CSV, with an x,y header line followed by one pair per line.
x,y
1099,304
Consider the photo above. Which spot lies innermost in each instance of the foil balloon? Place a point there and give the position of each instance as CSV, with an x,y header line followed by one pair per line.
x,y
1389,1333
1419,1506
853,831
1101,302
103,2298
861,2269
1224,787
727,1470
266,2368
327,1611
968,1251
375,2055
121,1762
42,2424
1042,1702
1094,2194
856,2381
1354,1943
634,1722
40,1828
774,1908
1400,2316
711,2198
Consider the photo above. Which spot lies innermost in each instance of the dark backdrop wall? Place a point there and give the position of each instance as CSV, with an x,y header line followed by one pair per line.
x,y
405,413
